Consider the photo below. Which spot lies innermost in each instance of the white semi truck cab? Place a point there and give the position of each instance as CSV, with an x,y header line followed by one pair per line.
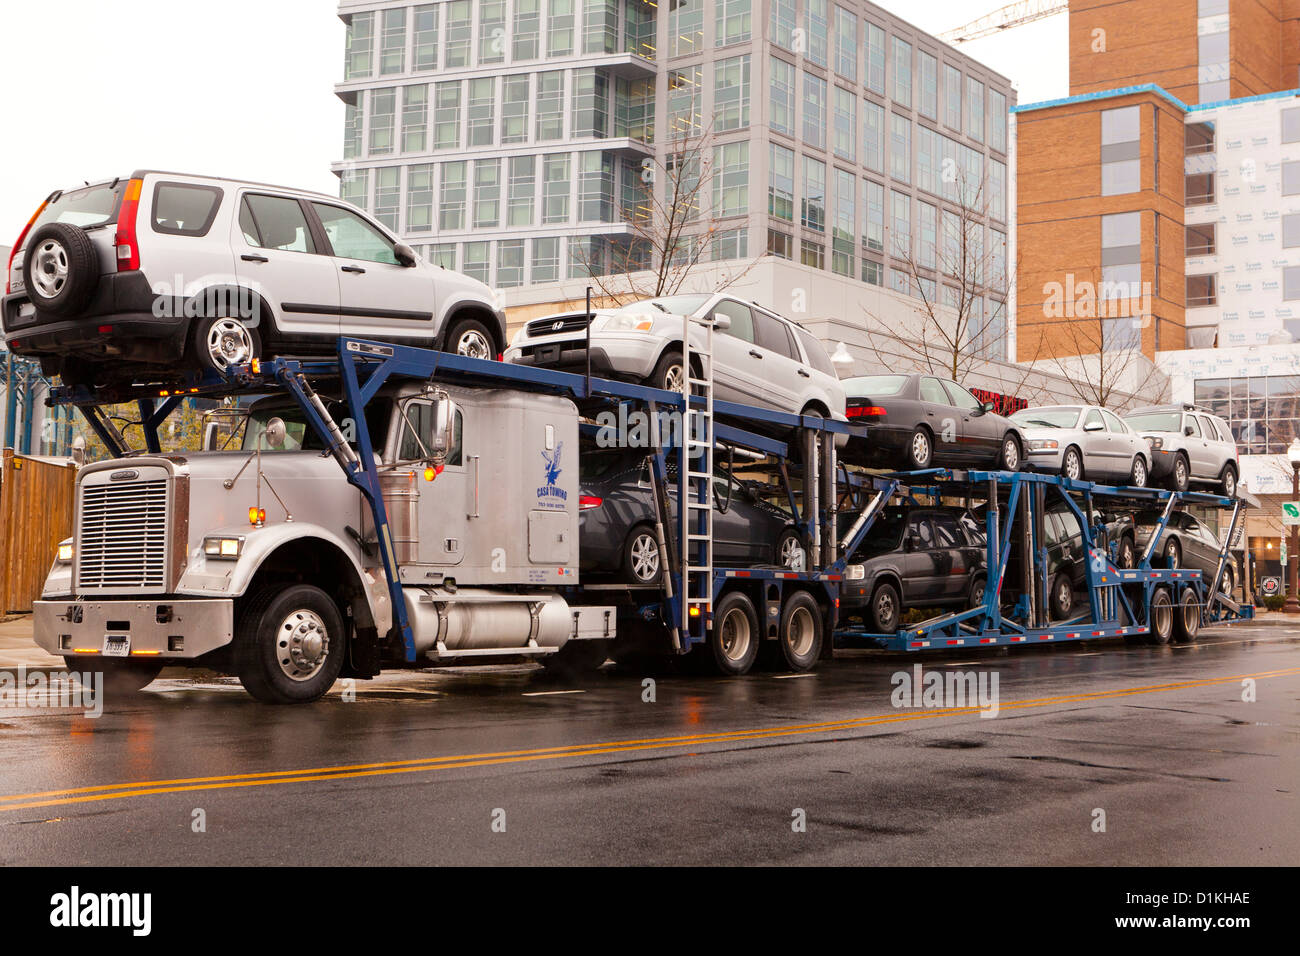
x,y
264,561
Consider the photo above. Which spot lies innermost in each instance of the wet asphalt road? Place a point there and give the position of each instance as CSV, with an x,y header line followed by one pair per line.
x,y
426,767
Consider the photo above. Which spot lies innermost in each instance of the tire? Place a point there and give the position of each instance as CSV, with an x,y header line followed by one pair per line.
x,y
1061,600
920,450
1009,458
60,268
1160,618
471,338
799,634
1173,553
120,677
975,594
1126,558
667,372
641,559
1187,618
1228,583
272,621
1072,463
1138,473
221,343
1228,482
734,639
789,547
577,658
1181,475
886,610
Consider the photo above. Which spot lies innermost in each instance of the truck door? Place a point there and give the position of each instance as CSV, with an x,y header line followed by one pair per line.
x,y
445,502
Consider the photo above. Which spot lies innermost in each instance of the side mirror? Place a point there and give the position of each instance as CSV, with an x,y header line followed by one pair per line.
x,y
405,254
1188,431
275,434
1093,426
210,437
718,320
444,421
987,407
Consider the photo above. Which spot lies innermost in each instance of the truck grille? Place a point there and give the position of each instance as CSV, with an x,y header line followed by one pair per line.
x,y
572,323
122,535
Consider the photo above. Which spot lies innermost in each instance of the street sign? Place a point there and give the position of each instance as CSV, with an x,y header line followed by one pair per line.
x,y
1270,586
1290,512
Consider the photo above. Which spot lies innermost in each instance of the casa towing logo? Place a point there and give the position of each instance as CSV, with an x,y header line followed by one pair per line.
x,y
551,490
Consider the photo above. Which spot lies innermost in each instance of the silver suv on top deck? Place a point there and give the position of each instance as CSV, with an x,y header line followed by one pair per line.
x,y
1188,446
138,275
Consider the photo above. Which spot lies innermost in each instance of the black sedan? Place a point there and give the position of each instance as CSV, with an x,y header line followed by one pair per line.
x,y
916,421
916,557
616,523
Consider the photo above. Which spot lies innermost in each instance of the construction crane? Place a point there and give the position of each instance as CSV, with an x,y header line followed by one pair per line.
x,y
1012,15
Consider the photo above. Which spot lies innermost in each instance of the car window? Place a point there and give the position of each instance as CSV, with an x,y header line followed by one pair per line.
x,y
86,207
274,222
974,530
1189,421
419,416
816,352
932,391
1207,427
874,386
351,237
772,336
742,319
962,398
1093,418
1222,428
1154,421
1114,422
919,528
184,209
946,532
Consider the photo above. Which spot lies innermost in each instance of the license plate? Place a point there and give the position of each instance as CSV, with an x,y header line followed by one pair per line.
x,y
117,645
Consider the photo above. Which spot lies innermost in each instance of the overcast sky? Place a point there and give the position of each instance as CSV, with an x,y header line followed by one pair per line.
x,y
244,88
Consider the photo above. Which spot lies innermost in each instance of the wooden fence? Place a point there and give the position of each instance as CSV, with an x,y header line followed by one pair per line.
x,y
36,505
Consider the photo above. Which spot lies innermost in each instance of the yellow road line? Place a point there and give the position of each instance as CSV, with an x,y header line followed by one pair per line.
x,y
117,791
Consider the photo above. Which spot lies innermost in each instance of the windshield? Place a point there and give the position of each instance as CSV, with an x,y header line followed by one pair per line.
x,y
885,533
670,304
87,207
1047,417
298,436
1156,422
873,386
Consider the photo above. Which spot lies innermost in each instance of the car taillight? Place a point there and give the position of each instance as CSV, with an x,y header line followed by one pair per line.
x,y
9,267
865,411
587,502
128,251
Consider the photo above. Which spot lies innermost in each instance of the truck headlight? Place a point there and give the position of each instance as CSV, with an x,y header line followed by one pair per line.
x,y
854,572
218,547
1043,444
65,552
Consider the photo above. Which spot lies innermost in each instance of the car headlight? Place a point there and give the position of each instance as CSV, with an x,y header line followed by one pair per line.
x,y
1043,444
854,572
65,553
1155,443
219,547
626,323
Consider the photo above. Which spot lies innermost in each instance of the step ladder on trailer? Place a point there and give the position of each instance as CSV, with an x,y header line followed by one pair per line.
x,y
695,485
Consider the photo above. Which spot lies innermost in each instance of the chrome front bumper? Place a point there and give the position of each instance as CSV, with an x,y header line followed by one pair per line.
x,y
168,629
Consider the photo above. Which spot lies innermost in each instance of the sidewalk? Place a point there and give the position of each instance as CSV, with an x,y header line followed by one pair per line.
x,y
17,649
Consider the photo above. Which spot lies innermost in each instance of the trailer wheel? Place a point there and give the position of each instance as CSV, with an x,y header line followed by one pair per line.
x,y
1160,617
1061,599
734,639
289,644
1187,620
885,610
799,635
119,677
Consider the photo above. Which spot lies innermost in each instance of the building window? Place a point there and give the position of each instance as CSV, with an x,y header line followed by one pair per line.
x,y
1121,256
1198,138
559,28
555,189
1291,125
487,193
781,96
902,54
998,121
846,43
846,135
731,179
1291,231
927,160
388,193
1201,290
685,27
1291,179
353,117
873,136
634,194
975,109
491,31
952,97
514,109
814,195
446,116
478,261
873,273
354,187
900,148
1263,413
550,106
596,187
814,111
586,257
546,259
482,102
1120,169
998,261
731,93
1200,240
842,228
419,198
510,263
425,46
780,182
600,26
873,40
451,204
360,46
929,99
997,190
526,42
873,219
781,25
685,101
780,244
415,118
901,204
1121,335
1291,283
812,254
634,109
522,184
1212,57
460,26
733,22
382,107
927,238
590,105
1199,189
442,254
730,244
815,24
392,43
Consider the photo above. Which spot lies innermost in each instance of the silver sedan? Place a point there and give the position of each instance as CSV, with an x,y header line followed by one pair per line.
x,y
1084,441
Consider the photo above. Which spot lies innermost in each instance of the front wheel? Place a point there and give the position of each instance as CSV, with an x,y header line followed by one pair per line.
x,y
641,556
669,373
1072,464
1137,475
886,609
790,552
1173,555
1009,458
1062,596
289,644
1181,474
471,338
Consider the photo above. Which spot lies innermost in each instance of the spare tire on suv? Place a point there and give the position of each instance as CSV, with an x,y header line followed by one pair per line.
x,y
60,268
